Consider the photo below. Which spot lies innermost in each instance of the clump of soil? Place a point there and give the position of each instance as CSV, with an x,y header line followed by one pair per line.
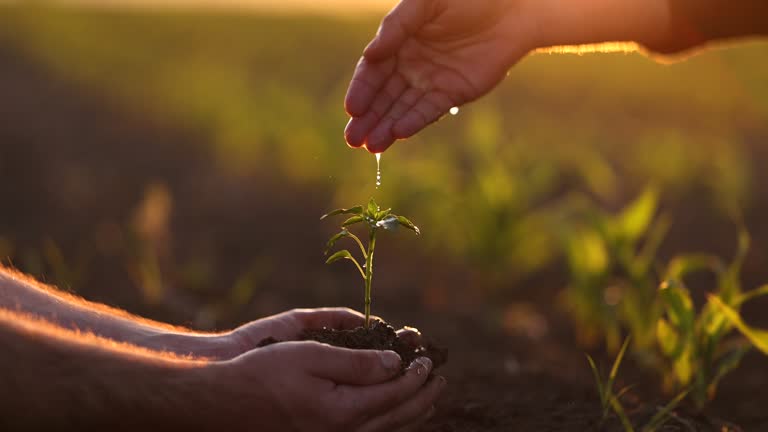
x,y
380,336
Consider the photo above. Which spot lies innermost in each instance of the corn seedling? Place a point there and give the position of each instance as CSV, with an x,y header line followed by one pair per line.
x,y
611,401
374,219
696,346
613,285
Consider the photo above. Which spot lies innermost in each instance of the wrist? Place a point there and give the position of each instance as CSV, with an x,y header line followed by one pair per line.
x,y
558,23
222,346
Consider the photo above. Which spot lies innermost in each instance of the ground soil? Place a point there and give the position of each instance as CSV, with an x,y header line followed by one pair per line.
x,y
72,161
380,336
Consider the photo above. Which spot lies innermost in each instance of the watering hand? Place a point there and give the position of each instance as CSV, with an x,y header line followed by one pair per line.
x,y
308,386
427,57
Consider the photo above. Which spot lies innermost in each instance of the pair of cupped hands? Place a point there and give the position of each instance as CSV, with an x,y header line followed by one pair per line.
x,y
309,386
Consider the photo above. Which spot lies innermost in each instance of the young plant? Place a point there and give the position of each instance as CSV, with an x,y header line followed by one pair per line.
x,y
613,285
612,401
697,347
372,217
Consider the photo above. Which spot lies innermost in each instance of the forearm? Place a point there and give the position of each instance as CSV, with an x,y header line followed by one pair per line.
x,y
20,293
64,380
663,26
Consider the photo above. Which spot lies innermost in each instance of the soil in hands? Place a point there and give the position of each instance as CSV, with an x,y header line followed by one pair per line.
x,y
380,336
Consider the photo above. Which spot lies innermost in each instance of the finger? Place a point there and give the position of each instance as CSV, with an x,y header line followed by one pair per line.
x,y
414,410
336,318
381,137
401,22
426,111
348,366
359,129
410,335
382,397
367,81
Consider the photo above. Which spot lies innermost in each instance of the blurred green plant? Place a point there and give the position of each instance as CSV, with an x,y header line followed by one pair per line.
x,y
374,218
611,260
225,78
696,346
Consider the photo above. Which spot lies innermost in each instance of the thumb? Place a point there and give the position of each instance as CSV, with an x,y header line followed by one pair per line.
x,y
401,22
349,366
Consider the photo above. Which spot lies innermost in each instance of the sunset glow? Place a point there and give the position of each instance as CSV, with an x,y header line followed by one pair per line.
x,y
607,47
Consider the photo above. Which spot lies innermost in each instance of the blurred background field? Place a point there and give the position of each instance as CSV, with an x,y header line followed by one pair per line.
x,y
175,162
255,99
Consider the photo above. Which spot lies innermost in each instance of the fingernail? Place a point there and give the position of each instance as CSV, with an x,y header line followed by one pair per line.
x,y
390,360
421,365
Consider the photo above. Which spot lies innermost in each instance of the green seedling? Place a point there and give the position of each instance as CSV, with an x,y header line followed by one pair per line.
x,y
374,219
611,401
697,346
613,284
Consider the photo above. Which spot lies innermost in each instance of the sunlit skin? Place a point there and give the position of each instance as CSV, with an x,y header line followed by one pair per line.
x,y
70,364
431,55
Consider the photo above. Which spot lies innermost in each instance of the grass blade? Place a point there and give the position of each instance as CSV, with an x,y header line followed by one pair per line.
x,y
662,416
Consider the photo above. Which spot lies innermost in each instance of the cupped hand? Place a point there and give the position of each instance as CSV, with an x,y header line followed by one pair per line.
x,y
288,325
427,57
309,386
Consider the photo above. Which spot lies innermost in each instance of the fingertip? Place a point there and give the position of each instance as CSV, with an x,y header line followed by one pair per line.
x,y
379,147
421,366
353,138
391,361
410,336
381,137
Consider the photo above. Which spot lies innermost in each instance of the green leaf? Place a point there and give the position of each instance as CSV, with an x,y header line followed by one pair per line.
x,y
598,382
679,306
653,241
373,208
663,415
683,365
759,338
616,364
340,255
757,292
730,286
334,239
351,221
637,216
668,339
621,414
383,214
683,265
358,210
407,224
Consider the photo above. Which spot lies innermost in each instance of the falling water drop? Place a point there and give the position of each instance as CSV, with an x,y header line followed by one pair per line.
x,y
378,170
454,110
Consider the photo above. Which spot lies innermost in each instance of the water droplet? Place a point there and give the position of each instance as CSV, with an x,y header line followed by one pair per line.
x,y
378,170
454,110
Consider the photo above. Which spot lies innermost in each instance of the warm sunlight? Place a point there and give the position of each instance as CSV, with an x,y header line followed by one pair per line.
x,y
329,6
607,47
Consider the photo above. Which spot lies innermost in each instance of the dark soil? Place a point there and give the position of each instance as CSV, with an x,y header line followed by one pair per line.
x,y
380,336
71,161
